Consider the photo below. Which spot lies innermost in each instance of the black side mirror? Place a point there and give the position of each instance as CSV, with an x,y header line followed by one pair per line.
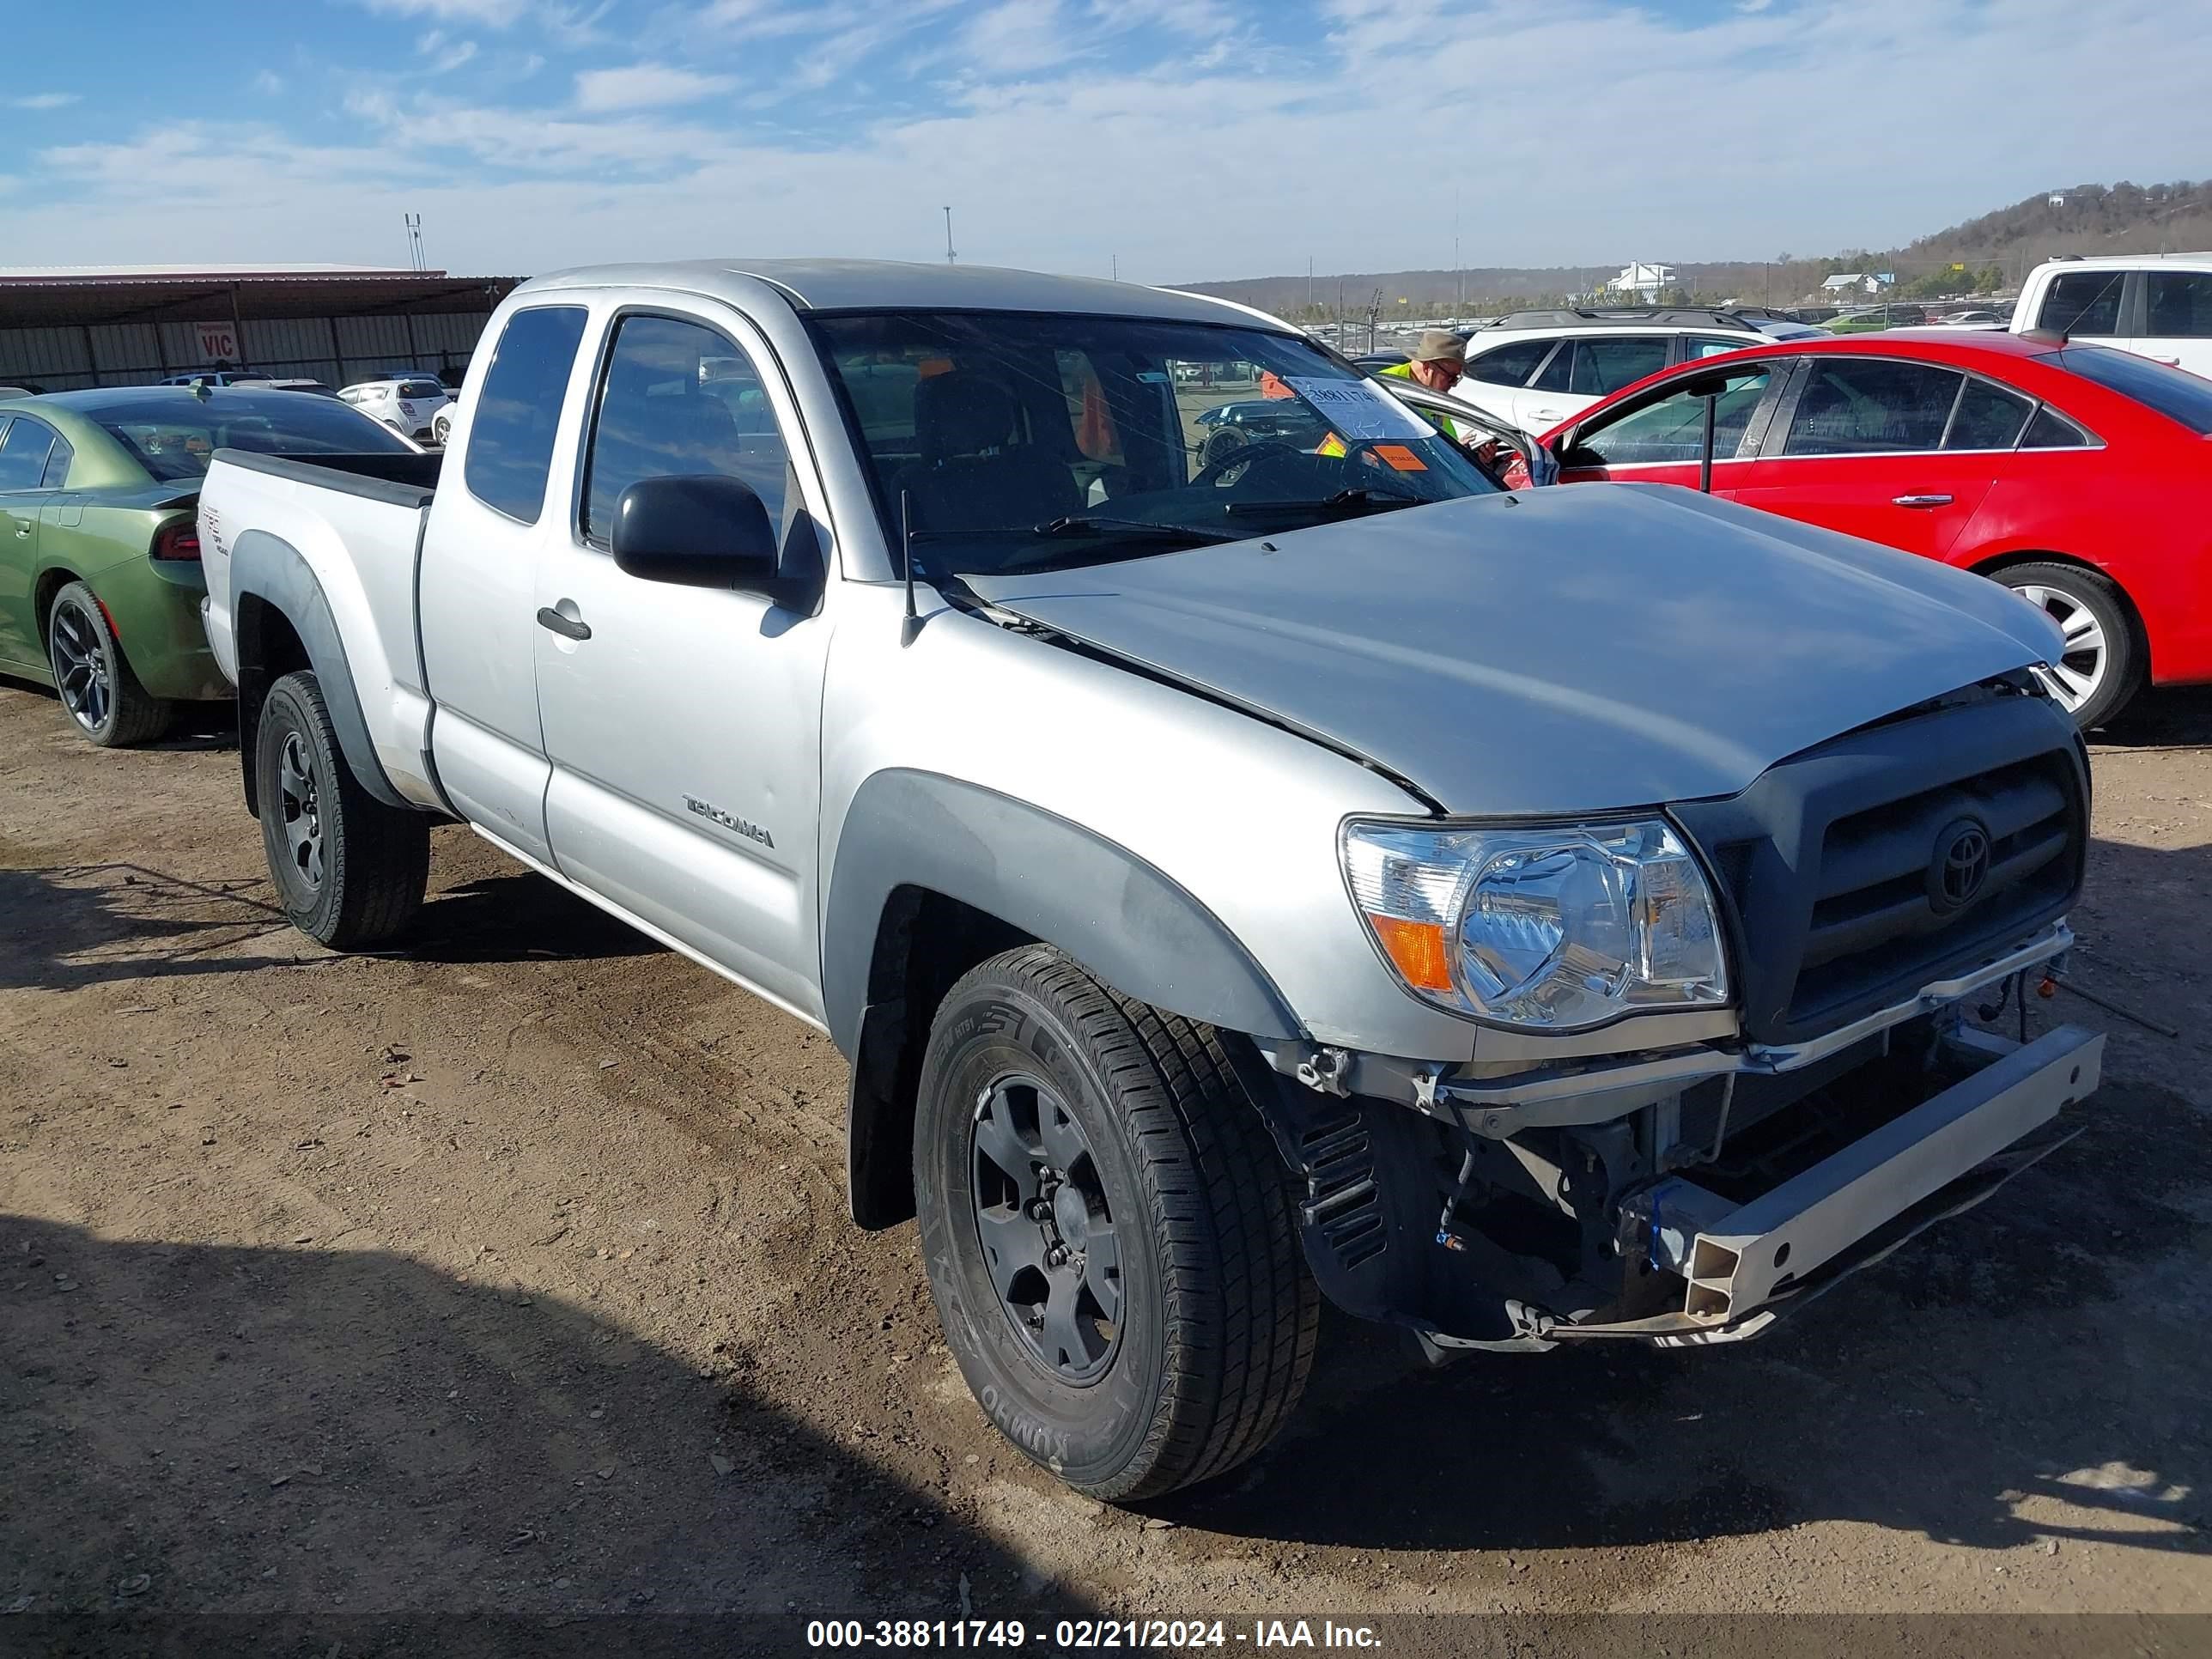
x,y
702,531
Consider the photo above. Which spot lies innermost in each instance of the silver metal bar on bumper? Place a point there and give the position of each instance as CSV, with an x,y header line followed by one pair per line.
x,y
1740,1262
1507,1104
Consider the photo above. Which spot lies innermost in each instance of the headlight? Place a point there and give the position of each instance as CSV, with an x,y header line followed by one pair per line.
x,y
1559,926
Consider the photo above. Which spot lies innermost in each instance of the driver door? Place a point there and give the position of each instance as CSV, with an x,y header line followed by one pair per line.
x,y
1659,437
683,724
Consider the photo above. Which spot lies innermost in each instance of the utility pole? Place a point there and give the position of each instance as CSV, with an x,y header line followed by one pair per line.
x,y
415,259
1115,266
948,237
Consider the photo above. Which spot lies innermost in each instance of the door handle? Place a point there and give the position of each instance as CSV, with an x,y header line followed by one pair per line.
x,y
1920,500
568,627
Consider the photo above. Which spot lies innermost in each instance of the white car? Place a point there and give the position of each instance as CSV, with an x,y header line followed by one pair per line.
x,y
2157,305
1534,369
408,405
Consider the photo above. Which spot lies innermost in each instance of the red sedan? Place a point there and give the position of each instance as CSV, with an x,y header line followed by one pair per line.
x,y
2078,475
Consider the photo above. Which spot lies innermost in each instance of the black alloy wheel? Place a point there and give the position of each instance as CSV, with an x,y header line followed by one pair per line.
x,y
1046,1228
92,678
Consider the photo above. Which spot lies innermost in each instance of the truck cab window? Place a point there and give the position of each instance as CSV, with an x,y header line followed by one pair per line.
x,y
519,410
678,400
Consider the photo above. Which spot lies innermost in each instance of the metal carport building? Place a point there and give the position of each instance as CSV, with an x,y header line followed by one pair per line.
x,y
62,327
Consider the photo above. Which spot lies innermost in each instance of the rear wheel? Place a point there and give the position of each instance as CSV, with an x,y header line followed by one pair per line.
x,y
348,870
97,687
1109,1235
2099,669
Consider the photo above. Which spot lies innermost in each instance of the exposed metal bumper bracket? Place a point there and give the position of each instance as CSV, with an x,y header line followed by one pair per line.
x,y
1738,1263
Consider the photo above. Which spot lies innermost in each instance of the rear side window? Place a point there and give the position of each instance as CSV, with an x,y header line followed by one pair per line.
x,y
57,465
1508,365
2178,305
2051,430
2083,302
2176,395
1871,406
510,448
23,451
1988,417
1602,367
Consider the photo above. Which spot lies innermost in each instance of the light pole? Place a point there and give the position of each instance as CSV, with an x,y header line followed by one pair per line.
x,y
948,236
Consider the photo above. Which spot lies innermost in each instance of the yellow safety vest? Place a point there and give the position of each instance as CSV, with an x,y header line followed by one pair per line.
x,y
1441,422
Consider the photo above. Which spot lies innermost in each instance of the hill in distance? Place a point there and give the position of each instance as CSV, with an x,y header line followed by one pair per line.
x,y
2087,219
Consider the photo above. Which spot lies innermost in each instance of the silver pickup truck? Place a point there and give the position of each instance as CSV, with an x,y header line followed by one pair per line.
x,y
1234,877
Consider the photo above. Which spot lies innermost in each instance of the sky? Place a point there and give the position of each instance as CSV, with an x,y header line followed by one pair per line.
x,y
1167,140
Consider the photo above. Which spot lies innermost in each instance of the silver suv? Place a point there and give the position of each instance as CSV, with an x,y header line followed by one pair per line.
x,y
1536,368
1314,871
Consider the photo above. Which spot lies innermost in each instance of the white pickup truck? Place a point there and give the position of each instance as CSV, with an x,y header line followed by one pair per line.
x,y
1315,871
2157,305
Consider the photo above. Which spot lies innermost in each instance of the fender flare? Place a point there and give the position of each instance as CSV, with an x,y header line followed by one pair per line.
x,y
1123,919
267,568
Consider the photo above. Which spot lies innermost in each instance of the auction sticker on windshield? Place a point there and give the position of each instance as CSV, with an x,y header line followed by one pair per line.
x,y
1357,410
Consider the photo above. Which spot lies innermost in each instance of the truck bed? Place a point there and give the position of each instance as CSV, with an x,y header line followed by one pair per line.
x,y
403,480
356,521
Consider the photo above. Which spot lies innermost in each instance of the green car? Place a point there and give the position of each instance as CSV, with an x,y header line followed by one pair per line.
x,y
99,550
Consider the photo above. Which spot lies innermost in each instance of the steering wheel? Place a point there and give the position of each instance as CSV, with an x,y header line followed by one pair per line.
x,y
1229,471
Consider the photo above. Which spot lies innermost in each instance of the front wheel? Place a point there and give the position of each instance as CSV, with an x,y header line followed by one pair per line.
x,y
2099,668
1110,1234
348,870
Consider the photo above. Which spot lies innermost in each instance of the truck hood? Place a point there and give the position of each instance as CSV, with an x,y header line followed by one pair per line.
x,y
1555,651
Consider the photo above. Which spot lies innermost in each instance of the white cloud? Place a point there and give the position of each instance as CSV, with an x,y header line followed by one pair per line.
x,y
268,82
43,101
1017,37
1188,169
485,13
645,86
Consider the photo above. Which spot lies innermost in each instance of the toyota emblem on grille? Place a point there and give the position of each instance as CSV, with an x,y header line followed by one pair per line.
x,y
1960,866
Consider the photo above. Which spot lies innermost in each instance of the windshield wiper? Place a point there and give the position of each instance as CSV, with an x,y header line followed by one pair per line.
x,y
1071,526
1089,524
1345,501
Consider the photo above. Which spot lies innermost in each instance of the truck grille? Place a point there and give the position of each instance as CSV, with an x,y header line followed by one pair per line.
x,y
1859,871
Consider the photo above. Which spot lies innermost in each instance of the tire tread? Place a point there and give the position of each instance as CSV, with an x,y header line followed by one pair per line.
x,y
379,856
1243,1312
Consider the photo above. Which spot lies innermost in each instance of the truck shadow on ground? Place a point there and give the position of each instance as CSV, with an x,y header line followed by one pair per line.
x,y
520,918
87,924
319,1436
75,925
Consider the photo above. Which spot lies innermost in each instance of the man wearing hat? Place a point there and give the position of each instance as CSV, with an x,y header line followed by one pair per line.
x,y
1436,362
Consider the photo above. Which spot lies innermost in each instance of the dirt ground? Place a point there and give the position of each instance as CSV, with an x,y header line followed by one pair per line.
x,y
511,1276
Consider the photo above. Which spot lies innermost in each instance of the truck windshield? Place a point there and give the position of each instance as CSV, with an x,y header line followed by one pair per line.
x,y
1012,440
